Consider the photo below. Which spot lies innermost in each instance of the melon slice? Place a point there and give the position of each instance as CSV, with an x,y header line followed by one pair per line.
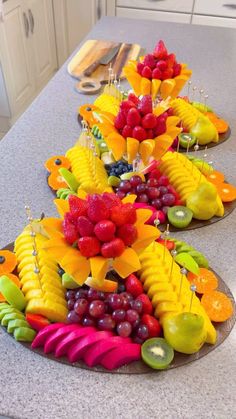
x,y
117,144
63,346
78,349
126,263
132,149
45,333
99,268
95,353
146,235
121,355
54,339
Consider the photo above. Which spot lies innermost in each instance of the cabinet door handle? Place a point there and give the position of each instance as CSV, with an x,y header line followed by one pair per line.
x,y
99,9
31,19
230,6
26,23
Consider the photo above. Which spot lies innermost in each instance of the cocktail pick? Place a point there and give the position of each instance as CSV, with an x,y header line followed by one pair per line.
x,y
194,90
136,163
177,149
205,101
188,144
183,272
193,289
189,85
173,254
84,125
203,161
165,235
201,91
33,235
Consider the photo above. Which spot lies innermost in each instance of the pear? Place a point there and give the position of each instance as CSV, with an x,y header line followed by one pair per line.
x,y
204,131
203,201
185,332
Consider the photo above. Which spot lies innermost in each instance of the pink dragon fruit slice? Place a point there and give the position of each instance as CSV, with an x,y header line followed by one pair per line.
x,y
56,337
121,355
47,331
95,353
78,349
63,346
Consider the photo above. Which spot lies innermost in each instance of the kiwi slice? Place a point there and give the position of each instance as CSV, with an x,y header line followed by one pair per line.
x,y
187,140
157,353
179,216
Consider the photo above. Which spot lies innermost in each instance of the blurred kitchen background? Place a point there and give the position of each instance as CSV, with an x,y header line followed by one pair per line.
x,y
37,36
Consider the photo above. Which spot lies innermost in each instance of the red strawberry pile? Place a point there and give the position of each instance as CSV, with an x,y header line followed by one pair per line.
x,y
136,119
159,65
100,225
128,312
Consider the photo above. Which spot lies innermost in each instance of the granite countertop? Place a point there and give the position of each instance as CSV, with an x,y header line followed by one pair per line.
x,y
34,387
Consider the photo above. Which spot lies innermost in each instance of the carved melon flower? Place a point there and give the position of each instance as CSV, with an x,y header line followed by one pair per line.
x,y
96,233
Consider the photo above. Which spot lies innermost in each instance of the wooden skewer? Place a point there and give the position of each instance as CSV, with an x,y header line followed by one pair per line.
x,y
33,235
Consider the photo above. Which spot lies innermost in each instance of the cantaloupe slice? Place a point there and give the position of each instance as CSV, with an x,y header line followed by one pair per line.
x,y
167,87
62,206
142,216
146,86
155,87
132,149
145,149
162,143
146,235
99,268
76,265
127,263
117,144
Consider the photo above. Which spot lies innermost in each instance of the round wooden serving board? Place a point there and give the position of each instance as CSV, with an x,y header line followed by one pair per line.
x,y
138,367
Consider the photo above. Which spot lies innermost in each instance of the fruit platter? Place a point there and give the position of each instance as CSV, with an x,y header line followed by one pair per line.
x,y
100,287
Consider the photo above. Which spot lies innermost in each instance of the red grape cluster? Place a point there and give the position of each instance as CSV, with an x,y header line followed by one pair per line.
x,y
121,313
156,192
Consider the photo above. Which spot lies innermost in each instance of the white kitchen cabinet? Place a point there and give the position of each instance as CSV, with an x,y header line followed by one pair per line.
x,y
27,51
44,60
153,15
15,57
167,5
215,8
214,21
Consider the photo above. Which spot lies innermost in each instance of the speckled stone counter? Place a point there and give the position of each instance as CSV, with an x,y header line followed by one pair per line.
x,y
34,387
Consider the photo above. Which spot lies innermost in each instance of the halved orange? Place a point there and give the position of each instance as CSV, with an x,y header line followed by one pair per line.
x,y
206,280
217,305
226,191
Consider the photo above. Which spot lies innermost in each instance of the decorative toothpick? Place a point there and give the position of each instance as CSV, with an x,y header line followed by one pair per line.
x,y
136,163
193,289
177,149
173,254
194,90
188,143
202,166
183,272
33,235
189,85
201,91
84,125
165,235
205,101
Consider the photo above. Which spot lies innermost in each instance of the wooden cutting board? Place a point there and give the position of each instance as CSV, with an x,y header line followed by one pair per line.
x,y
93,50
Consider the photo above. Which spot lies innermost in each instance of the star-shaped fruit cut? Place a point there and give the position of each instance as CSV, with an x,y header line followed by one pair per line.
x,y
87,213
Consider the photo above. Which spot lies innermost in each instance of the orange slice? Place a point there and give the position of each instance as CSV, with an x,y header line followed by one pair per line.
x,y
226,191
206,280
56,162
217,305
56,181
7,261
216,177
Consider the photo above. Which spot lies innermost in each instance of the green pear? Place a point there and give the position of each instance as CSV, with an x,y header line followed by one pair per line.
x,y
203,201
185,332
205,131
68,282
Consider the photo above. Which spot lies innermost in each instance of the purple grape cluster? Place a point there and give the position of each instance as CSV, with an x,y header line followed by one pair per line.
x,y
120,313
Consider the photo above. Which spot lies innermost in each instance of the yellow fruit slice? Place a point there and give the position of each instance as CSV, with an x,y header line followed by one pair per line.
x,y
132,149
117,144
146,235
62,206
165,307
76,265
180,81
162,143
56,247
145,149
99,268
145,86
166,88
129,199
142,215
127,263
155,87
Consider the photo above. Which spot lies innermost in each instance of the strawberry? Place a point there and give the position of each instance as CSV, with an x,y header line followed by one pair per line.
x,y
171,60
177,70
70,232
126,105
140,67
139,133
154,174
145,105
89,246
147,305
161,216
97,209
133,98
153,325
128,233
133,285
127,131
149,121
167,74
84,226
77,205
156,74
133,117
111,199
169,244
126,214
120,120
113,249
162,65
170,112
70,218
150,134
147,72
105,230
160,50
149,61
160,127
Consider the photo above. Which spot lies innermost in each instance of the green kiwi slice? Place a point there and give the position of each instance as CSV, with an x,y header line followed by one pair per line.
x,y
157,353
187,140
179,216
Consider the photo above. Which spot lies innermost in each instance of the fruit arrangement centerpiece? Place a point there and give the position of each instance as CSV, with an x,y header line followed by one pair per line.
x,y
157,74
155,303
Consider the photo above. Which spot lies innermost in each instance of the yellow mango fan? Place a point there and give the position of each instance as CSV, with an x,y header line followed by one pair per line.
x,y
97,233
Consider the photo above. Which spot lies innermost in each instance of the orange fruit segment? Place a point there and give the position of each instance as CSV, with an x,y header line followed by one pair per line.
x,y
226,191
220,124
205,281
217,305
7,261
216,177
56,162
56,181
